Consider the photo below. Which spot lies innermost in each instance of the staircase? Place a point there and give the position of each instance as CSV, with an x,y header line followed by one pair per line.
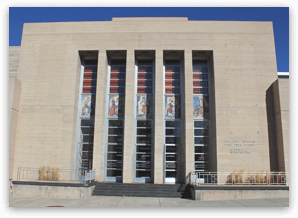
x,y
141,190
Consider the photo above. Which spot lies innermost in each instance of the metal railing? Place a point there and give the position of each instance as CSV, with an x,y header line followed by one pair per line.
x,y
55,175
237,178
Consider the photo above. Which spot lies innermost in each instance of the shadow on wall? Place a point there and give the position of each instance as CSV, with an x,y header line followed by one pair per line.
x,y
271,97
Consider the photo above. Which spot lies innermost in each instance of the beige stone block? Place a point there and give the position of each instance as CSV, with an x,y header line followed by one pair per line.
x,y
188,93
129,118
100,111
283,85
158,119
208,195
14,92
52,191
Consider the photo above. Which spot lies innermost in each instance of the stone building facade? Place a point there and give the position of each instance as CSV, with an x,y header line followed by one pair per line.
x,y
148,99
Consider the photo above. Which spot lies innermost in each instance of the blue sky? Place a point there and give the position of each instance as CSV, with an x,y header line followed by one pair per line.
x,y
278,15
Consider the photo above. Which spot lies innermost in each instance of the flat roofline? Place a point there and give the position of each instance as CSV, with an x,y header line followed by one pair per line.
x,y
148,19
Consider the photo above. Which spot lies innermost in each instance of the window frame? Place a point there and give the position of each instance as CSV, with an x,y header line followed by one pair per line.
x,y
209,159
107,119
170,180
150,119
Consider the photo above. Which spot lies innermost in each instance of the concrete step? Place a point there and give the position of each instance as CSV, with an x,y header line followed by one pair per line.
x,y
139,187
141,190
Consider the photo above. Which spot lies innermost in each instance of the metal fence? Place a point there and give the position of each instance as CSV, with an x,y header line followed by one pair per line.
x,y
237,178
55,175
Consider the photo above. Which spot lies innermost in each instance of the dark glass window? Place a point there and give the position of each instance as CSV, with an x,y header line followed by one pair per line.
x,y
115,139
204,124
117,123
143,123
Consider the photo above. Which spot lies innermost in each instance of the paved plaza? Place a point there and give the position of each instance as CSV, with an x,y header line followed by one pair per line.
x,y
111,201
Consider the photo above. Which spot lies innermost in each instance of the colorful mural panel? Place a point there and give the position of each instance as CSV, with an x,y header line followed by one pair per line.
x,y
113,105
144,106
172,106
86,106
201,107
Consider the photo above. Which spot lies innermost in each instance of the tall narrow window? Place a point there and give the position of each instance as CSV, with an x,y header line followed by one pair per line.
x,y
201,115
86,115
144,120
172,119
115,119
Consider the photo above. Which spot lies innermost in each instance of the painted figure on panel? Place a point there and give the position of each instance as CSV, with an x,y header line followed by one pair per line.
x,y
86,106
112,106
170,106
143,106
198,104
114,103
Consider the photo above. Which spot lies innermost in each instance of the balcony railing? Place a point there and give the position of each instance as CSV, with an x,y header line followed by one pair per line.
x,y
238,178
55,175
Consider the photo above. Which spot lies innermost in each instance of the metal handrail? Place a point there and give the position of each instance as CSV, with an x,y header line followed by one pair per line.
x,y
55,175
238,178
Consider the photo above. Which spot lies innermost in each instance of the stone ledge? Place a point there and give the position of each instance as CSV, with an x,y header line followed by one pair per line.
x,y
229,193
51,190
251,187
